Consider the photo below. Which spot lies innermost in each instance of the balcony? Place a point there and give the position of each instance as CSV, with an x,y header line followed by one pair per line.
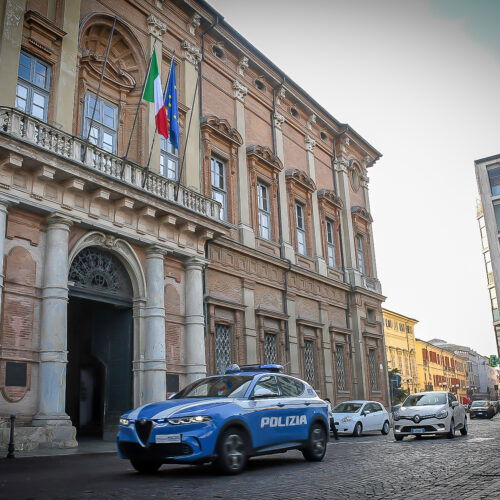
x,y
18,125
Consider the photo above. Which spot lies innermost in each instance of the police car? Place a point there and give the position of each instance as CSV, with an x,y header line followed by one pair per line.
x,y
225,419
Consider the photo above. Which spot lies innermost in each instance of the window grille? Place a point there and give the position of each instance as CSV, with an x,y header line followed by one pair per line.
x,y
222,347
309,372
219,189
340,363
372,368
330,243
169,159
264,211
103,132
270,348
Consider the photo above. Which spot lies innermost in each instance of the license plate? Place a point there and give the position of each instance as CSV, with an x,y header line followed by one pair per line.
x,y
417,430
168,438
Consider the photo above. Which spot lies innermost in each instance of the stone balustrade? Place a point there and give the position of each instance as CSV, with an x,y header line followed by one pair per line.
x,y
19,125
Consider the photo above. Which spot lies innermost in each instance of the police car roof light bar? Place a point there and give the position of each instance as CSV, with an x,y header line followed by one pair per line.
x,y
255,368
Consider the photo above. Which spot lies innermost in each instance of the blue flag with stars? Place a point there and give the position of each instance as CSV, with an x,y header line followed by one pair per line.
x,y
173,109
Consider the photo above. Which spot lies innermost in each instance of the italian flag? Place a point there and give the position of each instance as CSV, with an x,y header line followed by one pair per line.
x,y
153,93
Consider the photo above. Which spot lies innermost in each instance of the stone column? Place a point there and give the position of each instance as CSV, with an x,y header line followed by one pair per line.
x,y
288,250
192,164
53,325
247,236
3,227
250,327
317,229
11,29
194,332
293,337
326,350
65,84
154,363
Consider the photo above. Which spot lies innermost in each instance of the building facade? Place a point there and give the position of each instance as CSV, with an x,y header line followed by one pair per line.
x,y
488,217
441,370
132,268
400,348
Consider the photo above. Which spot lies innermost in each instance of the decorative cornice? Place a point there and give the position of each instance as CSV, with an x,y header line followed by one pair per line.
x,y
223,128
310,143
156,27
240,91
278,120
362,213
192,53
242,65
265,155
300,177
330,197
193,23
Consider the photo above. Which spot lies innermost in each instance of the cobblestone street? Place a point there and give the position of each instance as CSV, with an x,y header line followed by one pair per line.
x,y
372,466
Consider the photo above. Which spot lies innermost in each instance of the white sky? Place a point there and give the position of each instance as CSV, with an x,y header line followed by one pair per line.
x,y
419,79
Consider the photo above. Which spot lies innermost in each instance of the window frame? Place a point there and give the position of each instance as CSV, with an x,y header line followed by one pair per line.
x,y
300,229
360,254
222,191
168,154
331,257
264,212
101,127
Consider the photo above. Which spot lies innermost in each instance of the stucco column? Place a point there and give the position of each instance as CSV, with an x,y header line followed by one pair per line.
x,y
3,227
250,327
364,184
65,84
154,363
326,350
194,331
288,250
11,29
53,325
247,235
192,166
294,351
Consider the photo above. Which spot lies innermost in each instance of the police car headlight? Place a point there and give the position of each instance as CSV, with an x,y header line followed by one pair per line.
x,y
124,421
442,414
346,419
196,419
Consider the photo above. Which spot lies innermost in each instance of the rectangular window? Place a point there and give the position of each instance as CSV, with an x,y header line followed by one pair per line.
x,y
309,373
219,189
264,211
370,315
169,159
484,235
373,369
340,365
496,209
270,348
494,177
361,254
33,86
223,348
103,122
301,229
330,241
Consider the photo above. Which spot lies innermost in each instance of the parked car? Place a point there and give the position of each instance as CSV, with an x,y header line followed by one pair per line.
x,y
225,419
424,413
482,409
357,417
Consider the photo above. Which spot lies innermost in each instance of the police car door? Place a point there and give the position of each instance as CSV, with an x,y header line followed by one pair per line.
x,y
294,410
264,415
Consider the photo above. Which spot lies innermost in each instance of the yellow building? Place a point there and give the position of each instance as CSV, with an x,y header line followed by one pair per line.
x,y
400,348
439,369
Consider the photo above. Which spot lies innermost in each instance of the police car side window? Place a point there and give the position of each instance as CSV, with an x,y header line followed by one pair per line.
x,y
267,382
290,388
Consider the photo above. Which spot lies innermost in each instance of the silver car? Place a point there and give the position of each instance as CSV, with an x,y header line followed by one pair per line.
x,y
436,412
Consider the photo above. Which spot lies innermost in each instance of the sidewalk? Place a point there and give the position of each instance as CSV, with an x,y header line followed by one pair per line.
x,y
85,447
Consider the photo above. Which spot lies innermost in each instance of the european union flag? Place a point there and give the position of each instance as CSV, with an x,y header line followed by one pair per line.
x,y
173,109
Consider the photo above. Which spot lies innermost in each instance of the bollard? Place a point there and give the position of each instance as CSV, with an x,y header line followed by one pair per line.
x,y
10,453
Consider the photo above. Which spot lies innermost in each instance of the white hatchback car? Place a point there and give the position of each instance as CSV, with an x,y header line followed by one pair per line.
x,y
436,412
356,417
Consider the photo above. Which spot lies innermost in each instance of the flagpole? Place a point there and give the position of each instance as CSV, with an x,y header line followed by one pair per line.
x,y
137,108
146,169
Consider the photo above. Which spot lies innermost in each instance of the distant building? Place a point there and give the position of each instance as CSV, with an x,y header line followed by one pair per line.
x,y
441,370
399,338
488,216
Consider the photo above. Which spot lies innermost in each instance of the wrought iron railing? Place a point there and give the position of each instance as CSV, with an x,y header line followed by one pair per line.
x,y
19,125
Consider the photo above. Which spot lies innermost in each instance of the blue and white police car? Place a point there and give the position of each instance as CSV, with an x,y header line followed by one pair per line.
x,y
225,419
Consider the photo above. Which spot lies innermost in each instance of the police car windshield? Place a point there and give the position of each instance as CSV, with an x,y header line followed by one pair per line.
x,y
425,400
232,386
347,408
479,403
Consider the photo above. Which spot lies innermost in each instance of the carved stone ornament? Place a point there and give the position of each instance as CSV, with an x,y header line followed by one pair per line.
x,y
192,53
278,120
362,213
310,143
240,91
156,27
115,72
265,155
281,96
300,177
310,121
242,65
330,197
223,128
194,22
364,180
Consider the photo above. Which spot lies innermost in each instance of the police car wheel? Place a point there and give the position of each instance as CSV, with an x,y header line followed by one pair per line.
x,y
316,447
145,466
232,452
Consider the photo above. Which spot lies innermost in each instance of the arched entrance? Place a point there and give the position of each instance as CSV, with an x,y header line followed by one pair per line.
x,y
100,342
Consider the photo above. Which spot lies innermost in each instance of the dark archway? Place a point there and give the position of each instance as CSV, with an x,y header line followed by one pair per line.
x,y
99,372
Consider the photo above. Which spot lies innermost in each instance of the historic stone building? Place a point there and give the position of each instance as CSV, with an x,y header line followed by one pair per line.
x,y
120,282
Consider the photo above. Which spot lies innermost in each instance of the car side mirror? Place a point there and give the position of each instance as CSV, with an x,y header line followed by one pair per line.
x,y
262,392
365,412
454,404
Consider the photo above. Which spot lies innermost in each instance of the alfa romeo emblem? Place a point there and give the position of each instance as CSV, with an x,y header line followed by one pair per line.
x,y
143,420
416,419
